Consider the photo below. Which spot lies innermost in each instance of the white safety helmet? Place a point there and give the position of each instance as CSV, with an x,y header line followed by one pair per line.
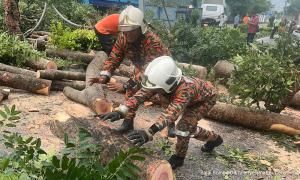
x,y
162,73
131,18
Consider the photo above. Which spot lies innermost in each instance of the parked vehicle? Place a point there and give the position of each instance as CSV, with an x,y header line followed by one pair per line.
x,y
211,13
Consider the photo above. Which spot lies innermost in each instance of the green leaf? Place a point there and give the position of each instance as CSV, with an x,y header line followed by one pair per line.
x,y
38,143
40,151
6,108
3,114
14,118
64,162
55,162
13,108
138,158
28,140
4,164
10,125
133,168
66,138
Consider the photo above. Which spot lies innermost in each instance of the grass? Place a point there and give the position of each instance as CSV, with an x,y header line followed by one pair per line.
x,y
284,141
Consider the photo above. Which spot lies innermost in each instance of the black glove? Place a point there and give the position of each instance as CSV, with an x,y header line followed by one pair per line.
x,y
140,137
112,116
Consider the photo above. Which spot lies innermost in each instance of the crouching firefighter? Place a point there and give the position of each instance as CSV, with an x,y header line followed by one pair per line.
x,y
190,97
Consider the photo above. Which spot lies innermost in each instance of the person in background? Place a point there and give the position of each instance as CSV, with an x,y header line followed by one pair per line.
x,y
252,28
236,21
275,27
137,44
271,21
246,19
106,31
189,97
282,24
222,20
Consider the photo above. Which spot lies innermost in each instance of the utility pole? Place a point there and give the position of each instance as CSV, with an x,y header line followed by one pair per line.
x,y
141,5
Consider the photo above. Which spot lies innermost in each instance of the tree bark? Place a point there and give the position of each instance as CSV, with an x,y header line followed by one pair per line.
x,y
59,75
256,119
223,69
41,64
70,55
41,33
12,16
38,44
92,96
12,69
60,85
4,93
200,70
19,81
111,143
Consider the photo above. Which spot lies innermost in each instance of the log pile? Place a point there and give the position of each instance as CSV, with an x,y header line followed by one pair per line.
x,y
111,143
92,96
199,70
70,55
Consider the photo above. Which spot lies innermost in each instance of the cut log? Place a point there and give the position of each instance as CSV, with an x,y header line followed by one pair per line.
x,y
92,96
70,55
41,33
19,81
35,36
59,75
60,85
223,69
4,93
111,143
38,44
41,64
199,70
256,119
119,79
295,102
12,69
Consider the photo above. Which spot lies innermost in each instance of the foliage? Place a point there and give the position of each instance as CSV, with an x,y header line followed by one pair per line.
x,y
251,160
79,160
205,46
244,7
166,147
80,39
268,75
294,7
75,11
14,51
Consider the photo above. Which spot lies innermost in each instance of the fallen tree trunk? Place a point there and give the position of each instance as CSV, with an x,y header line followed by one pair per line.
x,y
70,55
59,75
12,69
60,85
38,44
223,69
41,33
110,143
4,93
41,64
199,70
19,81
256,119
92,96
295,102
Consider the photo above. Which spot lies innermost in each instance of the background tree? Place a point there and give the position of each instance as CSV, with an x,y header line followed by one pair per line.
x,y
244,7
294,7
12,16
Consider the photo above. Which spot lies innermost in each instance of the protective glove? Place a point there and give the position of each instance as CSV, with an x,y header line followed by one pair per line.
x,y
100,80
140,137
112,116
